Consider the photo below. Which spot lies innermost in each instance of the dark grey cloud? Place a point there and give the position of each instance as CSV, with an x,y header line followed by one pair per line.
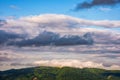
x,y
50,38
94,3
6,36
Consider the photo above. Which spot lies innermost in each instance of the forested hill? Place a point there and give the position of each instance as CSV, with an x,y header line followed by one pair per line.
x,y
55,73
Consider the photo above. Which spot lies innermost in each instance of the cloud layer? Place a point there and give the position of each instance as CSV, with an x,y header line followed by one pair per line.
x,y
55,31
18,60
93,3
62,28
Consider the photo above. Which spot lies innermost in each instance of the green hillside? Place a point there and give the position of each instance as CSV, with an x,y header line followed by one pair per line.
x,y
55,73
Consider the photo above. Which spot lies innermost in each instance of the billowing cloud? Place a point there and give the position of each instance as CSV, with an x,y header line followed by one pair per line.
x,y
93,3
53,20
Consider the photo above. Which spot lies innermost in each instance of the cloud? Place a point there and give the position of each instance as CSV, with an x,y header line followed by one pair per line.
x,y
30,28
59,56
74,63
5,37
93,3
54,39
10,55
111,56
2,22
105,9
4,59
71,63
58,22
14,7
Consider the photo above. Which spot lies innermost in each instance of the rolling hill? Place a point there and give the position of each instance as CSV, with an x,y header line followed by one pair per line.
x,y
56,73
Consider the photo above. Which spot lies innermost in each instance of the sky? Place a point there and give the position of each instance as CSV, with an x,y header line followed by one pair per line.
x,y
19,8
75,33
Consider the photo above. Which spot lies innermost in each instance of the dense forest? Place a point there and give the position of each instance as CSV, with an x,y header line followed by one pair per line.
x,y
56,73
